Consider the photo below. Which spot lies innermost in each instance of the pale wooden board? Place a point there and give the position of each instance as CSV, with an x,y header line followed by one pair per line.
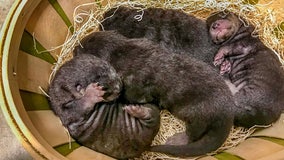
x,y
69,6
276,130
254,148
49,127
32,73
47,26
83,153
275,156
208,158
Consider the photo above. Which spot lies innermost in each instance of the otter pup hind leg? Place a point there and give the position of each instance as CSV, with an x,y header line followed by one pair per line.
x,y
138,111
211,139
148,114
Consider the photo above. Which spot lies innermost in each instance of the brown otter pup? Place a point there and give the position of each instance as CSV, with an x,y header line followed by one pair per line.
x,y
172,29
84,94
187,87
253,69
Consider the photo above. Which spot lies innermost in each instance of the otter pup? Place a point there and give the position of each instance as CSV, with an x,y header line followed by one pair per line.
x,y
84,94
188,88
172,29
253,69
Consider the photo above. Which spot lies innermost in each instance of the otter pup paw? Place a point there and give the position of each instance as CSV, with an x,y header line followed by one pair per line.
x,y
94,93
220,56
225,67
138,111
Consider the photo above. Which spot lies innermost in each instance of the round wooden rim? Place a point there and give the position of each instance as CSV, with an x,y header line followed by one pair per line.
x,y
19,121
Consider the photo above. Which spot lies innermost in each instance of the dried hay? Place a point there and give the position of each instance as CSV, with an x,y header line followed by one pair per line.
x,y
268,28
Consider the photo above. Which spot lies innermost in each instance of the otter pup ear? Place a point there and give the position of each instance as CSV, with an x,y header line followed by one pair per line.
x,y
222,26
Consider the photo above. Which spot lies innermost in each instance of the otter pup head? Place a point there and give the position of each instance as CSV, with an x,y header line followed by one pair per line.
x,y
75,75
223,26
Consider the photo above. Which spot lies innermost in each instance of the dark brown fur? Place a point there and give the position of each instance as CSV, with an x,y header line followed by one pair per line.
x,y
188,88
253,69
172,29
110,127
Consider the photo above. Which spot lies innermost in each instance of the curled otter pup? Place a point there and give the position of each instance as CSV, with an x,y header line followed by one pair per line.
x,y
188,88
84,95
172,29
253,69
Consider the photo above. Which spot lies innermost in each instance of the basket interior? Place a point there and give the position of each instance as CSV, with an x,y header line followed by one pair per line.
x,y
47,28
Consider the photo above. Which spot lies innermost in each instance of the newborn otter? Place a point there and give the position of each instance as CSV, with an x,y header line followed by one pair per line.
x,y
84,95
173,30
253,68
188,88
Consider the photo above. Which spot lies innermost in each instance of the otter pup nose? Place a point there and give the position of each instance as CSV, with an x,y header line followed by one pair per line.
x,y
215,25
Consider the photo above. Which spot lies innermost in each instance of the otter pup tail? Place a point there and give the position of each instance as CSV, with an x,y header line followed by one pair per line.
x,y
210,141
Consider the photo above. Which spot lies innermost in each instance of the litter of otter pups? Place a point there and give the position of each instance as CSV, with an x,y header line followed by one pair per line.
x,y
211,62
176,82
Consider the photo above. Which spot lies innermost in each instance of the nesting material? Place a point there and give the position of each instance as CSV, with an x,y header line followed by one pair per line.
x,y
267,28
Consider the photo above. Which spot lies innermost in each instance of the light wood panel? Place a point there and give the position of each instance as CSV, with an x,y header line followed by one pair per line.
x,y
87,154
32,73
49,126
275,156
47,26
277,129
207,158
255,148
69,7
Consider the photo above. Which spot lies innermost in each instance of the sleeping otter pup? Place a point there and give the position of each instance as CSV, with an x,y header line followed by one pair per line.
x,y
84,95
188,88
173,30
253,69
